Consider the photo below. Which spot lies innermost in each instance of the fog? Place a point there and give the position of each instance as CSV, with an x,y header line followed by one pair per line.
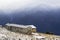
x,y
9,6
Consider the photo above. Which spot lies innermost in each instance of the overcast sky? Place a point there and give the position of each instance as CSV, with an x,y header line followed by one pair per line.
x,y
12,5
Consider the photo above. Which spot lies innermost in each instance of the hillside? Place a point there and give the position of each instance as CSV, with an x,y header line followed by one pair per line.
x,y
9,35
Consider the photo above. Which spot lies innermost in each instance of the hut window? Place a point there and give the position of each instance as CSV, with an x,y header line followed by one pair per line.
x,y
21,28
10,27
19,39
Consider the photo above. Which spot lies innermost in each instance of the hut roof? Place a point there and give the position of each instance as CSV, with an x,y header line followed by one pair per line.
x,y
21,26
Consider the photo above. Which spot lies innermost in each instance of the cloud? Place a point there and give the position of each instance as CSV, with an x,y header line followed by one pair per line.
x,y
11,5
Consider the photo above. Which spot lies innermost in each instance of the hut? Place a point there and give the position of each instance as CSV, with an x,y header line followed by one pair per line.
x,y
28,29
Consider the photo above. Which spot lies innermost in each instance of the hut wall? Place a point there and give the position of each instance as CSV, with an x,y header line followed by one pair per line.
x,y
18,29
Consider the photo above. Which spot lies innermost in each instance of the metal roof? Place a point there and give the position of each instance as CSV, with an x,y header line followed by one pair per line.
x,y
21,26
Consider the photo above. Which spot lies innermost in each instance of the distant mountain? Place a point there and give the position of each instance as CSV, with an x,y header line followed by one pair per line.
x,y
45,21
3,18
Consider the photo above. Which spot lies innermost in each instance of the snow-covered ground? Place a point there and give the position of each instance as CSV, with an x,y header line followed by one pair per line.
x,y
9,35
